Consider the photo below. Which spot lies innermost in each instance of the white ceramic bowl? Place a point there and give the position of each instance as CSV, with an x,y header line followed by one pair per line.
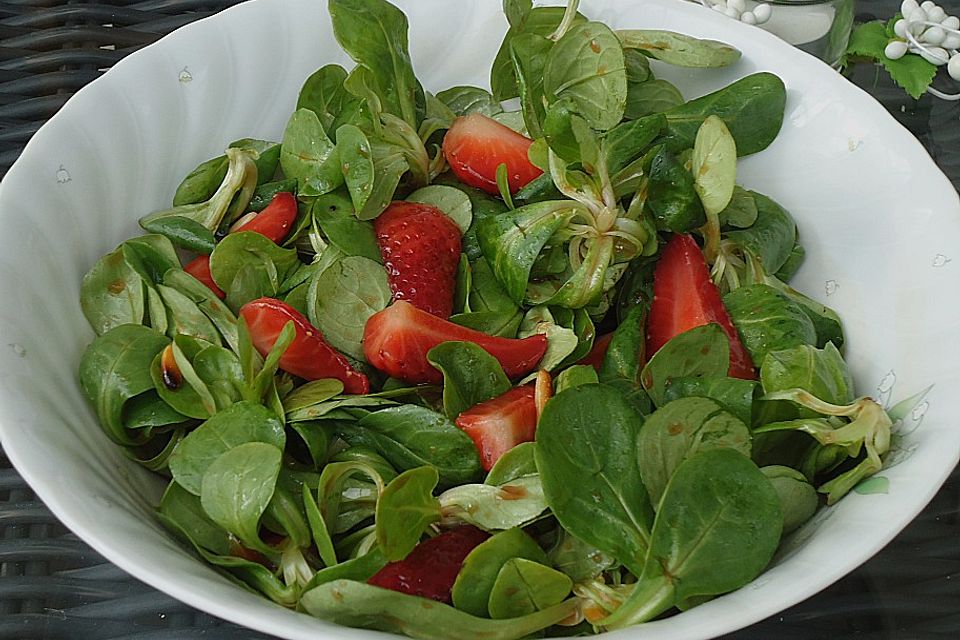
x,y
879,221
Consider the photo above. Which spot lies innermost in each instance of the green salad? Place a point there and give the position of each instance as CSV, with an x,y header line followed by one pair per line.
x,y
438,366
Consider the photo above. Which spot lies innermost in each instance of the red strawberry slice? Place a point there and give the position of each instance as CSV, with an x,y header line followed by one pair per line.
x,y
430,570
498,425
542,391
476,145
598,352
199,268
308,356
684,297
275,220
420,246
397,339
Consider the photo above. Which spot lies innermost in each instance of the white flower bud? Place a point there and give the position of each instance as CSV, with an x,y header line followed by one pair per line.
x,y
954,67
762,12
916,22
896,49
936,14
935,55
933,35
900,28
747,17
908,7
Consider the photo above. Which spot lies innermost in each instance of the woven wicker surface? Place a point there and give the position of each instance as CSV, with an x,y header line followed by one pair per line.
x,y
51,48
52,586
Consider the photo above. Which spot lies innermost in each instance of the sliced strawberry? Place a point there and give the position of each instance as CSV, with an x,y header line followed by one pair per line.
x,y
430,570
199,268
275,220
397,339
308,356
543,390
476,145
684,297
598,352
498,425
420,246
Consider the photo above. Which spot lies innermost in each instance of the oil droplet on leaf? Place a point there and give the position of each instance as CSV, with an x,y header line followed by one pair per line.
x,y
508,492
169,371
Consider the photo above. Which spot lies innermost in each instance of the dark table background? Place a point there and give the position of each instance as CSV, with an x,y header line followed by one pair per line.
x,y
53,587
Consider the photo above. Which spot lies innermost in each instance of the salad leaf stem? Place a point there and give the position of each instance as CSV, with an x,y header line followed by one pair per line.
x,y
599,600
588,282
361,605
569,16
869,430
611,210
294,567
648,599
237,188
584,193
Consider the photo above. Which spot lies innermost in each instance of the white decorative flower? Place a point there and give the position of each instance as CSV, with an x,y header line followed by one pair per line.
x,y
737,9
928,31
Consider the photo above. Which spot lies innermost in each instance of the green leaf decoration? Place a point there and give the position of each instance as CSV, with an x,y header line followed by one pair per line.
x,y
911,72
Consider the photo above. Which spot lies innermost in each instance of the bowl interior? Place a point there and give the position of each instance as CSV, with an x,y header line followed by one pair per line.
x,y
875,215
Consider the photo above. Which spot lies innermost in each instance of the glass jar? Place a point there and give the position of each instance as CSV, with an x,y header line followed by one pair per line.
x,y
819,27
